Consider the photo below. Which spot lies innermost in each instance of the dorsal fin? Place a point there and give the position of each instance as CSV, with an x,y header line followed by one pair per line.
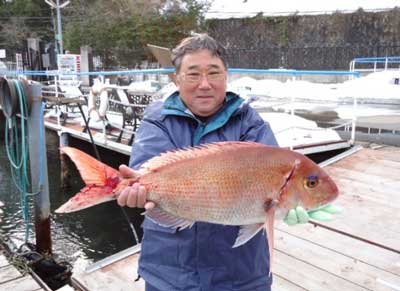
x,y
168,158
93,172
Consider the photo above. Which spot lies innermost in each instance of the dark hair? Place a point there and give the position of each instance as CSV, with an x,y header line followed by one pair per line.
x,y
195,43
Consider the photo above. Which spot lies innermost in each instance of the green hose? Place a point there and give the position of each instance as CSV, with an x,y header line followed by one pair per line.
x,y
17,148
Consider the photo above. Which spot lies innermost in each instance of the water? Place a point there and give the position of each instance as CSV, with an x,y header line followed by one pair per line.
x,y
79,238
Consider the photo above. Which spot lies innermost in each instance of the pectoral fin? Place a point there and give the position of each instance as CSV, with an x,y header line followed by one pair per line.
x,y
246,232
166,219
269,227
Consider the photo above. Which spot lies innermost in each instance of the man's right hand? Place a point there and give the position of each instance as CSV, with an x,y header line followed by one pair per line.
x,y
135,195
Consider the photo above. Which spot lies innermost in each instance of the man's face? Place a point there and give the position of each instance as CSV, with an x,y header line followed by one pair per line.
x,y
202,82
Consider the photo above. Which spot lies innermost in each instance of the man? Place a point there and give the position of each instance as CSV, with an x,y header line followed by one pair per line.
x,y
201,257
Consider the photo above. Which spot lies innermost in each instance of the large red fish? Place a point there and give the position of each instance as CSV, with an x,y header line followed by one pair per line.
x,y
230,183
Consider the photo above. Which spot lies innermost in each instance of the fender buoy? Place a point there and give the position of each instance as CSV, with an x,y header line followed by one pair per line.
x,y
101,91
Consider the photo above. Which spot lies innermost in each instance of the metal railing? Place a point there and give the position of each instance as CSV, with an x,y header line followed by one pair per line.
x,y
377,63
292,74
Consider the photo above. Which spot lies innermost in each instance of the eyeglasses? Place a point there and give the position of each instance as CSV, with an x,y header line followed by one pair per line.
x,y
196,77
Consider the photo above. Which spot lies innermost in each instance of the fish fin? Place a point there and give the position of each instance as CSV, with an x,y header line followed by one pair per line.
x,y
269,228
270,204
165,219
93,172
87,197
171,157
247,232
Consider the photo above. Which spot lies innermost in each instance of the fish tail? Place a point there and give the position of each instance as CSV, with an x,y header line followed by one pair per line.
x,y
101,181
87,197
92,171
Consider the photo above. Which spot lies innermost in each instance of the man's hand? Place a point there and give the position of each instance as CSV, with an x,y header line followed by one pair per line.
x,y
299,215
135,195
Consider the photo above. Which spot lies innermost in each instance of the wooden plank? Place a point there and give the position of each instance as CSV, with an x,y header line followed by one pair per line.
x,y
388,153
374,194
334,263
3,261
356,249
371,155
104,281
8,273
308,276
281,284
369,196
382,195
380,192
365,164
21,284
380,174
118,276
381,184
64,100
368,221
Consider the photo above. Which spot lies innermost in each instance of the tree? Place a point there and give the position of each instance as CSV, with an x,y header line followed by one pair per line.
x,y
21,19
119,30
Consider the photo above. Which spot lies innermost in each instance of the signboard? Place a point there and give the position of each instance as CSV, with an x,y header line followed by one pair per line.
x,y
69,63
2,53
19,62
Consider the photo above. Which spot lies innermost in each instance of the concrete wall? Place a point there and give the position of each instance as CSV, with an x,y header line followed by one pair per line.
x,y
310,42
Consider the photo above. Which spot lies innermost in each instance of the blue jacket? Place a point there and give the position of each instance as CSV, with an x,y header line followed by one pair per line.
x,y
201,257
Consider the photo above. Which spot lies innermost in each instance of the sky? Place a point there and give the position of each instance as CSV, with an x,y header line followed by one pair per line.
x,y
242,8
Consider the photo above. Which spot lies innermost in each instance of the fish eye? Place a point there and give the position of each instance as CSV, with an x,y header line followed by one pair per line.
x,y
311,181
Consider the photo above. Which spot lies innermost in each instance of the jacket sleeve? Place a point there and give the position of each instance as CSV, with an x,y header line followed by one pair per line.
x,y
254,128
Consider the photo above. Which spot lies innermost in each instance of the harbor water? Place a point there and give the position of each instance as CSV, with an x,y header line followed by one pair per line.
x,y
78,238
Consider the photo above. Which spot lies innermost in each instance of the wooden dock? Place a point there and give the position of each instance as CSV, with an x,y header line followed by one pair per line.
x,y
12,279
359,250
111,139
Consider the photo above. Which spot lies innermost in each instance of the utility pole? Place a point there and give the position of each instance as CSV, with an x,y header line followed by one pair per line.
x,y
58,7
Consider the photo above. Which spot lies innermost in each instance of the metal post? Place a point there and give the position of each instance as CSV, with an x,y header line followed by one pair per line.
x,y
59,29
58,7
39,175
292,128
65,173
354,122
